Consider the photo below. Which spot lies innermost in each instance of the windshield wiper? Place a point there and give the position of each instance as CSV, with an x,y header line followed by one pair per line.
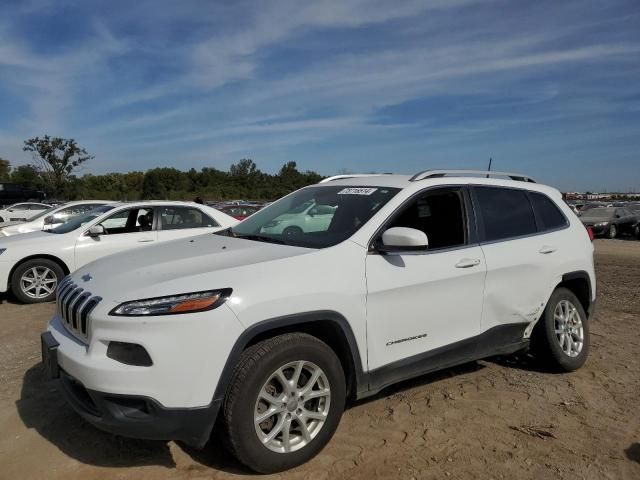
x,y
261,238
227,232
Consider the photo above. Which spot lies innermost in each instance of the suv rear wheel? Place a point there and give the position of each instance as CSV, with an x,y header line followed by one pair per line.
x,y
561,338
284,402
35,281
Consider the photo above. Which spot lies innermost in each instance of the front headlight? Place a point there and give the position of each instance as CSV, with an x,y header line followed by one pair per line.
x,y
601,224
173,304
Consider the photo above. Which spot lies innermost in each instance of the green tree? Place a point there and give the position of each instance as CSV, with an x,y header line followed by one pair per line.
x,y
58,158
27,175
153,186
5,170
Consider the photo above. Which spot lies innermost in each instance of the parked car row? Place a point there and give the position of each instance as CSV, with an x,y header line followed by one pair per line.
x,y
270,331
33,262
20,212
612,222
51,217
239,212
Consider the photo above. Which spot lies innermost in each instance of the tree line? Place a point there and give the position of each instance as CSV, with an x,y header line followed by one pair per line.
x,y
57,161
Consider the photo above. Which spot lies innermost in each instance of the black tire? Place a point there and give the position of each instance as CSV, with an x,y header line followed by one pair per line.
x,y
613,231
255,368
545,343
292,232
39,264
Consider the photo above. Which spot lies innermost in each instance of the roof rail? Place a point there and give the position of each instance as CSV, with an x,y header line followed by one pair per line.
x,y
351,175
461,173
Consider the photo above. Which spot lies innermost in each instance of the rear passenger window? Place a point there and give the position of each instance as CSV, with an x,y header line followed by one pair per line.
x,y
548,215
504,213
177,218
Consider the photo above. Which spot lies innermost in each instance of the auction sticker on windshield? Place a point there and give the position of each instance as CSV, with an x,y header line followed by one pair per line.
x,y
357,191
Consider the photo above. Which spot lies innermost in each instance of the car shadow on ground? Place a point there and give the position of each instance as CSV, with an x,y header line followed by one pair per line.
x,y
42,407
4,298
521,361
633,452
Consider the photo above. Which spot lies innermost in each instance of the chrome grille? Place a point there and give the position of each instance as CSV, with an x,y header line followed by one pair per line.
x,y
74,305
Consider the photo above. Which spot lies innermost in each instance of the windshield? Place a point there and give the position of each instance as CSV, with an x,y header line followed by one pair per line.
x,y
314,217
77,222
43,213
601,212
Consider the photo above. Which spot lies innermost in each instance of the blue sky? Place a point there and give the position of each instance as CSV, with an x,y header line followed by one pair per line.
x,y
548,88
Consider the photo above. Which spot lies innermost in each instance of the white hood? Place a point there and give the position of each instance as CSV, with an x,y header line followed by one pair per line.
x,y
193,264
20,246
16,228
8,224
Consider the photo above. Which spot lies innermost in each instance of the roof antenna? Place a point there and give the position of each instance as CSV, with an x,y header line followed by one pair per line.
x,y
489,169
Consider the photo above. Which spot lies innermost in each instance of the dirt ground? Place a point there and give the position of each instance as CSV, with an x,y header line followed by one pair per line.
x,y
500,418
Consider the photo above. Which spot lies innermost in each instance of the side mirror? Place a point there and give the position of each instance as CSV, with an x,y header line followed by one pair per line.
x,y
48,220
95,231
403,239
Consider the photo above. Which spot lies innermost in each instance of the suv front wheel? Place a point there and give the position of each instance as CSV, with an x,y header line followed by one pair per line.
x,y
561,338
284,402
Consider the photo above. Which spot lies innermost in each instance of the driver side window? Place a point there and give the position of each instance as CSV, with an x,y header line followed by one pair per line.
x,y
439,214
131,220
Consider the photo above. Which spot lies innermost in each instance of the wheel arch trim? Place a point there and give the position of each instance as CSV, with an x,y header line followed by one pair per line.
x,y
584,276
287,321
65,268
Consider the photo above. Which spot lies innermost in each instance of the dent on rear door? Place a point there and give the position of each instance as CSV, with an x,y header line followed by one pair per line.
x,y
516,284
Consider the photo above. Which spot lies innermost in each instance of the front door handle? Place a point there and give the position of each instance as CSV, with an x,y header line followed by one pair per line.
x,y
468,263
145,240
547,249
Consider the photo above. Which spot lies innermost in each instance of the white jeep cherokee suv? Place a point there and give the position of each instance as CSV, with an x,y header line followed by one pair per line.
x,y
271,334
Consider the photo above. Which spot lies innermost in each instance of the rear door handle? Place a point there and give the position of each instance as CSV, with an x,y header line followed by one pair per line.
x,y
468,263
547,249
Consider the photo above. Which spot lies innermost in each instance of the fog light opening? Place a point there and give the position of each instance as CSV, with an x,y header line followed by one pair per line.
x,y
129,354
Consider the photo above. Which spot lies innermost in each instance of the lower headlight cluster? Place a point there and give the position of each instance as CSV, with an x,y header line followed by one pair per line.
x,y
173,304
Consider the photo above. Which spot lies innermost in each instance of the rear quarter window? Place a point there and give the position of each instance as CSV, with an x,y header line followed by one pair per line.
x,y
548,215
503,213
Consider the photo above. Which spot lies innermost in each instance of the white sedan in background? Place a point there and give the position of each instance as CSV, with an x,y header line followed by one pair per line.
x,y
307,218
32,264
20,212
53,217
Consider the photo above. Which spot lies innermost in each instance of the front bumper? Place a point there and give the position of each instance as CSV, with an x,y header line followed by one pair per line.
x,y
188,353
5,269
172,399
138,416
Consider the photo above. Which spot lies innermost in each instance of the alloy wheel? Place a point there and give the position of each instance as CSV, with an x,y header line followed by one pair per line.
x,y
568,328
38,282
292,406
